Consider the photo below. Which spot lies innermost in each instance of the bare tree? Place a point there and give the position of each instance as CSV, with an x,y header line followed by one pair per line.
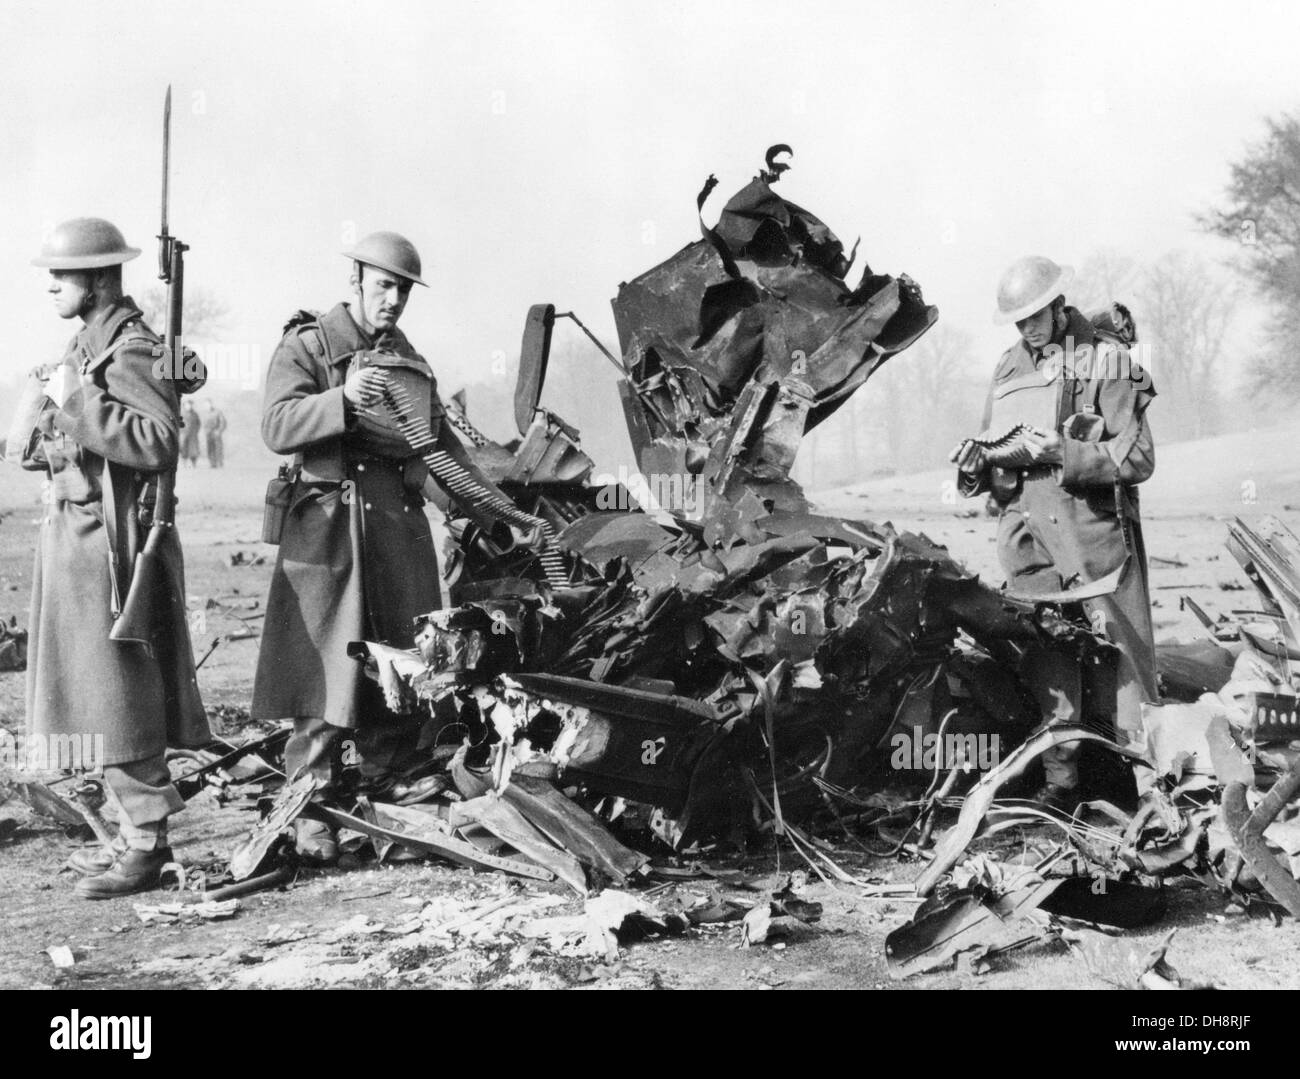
x,y
204,314
1105,276
1185,313
929,397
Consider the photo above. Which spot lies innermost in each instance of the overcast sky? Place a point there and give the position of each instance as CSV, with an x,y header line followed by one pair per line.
x,y
547,151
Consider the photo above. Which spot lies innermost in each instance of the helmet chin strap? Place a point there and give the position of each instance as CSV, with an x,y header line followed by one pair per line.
x,y
98,297
1059,318
358,274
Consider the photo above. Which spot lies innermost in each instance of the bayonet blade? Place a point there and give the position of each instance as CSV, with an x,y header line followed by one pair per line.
x,y
166,154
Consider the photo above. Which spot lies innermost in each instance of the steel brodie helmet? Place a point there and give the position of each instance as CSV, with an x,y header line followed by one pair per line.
x,y
388,251
1029,285
85,243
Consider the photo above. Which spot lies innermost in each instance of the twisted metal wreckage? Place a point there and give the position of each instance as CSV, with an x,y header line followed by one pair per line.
x,y
726,658
733,630
712,658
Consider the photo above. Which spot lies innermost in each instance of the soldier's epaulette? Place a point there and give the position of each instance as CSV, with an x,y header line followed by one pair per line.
x,y
306,325
140,329
1006,364
299,318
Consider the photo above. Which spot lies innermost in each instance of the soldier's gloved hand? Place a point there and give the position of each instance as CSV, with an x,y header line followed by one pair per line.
x,y
968,457
1045,447
363,387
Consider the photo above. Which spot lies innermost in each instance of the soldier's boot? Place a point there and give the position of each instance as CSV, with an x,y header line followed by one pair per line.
x,y
138,868
91,861
134,871
1060,789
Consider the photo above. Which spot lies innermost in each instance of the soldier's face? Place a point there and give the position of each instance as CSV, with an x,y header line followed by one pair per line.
x,y
382,296
1037,328
71,290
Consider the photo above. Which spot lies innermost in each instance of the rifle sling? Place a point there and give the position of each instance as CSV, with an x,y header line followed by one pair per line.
x,y
108,496
108,502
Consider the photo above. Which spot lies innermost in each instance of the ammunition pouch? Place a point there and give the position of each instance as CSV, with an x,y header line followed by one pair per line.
x,y
279,498
1085,426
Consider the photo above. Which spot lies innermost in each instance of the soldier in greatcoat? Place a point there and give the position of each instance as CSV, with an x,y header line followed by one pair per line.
x,y
1069,517
356,557
103,425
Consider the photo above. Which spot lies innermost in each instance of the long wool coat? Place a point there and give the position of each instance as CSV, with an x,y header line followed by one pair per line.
x,y
356,558
121,429
1075,523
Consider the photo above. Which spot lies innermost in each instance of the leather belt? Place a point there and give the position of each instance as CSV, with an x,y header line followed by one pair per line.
x,y
353,458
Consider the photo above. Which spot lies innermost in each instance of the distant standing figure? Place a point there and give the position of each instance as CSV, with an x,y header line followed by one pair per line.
x,y
213,423
189,433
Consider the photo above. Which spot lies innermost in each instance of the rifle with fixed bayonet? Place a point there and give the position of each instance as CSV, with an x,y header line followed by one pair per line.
x,y
140,618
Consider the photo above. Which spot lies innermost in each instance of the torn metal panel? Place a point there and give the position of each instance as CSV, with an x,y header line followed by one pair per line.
x,y
754,332
424,833
1248,828
534,354
1270,556
1115,903
969,921
44,802
289,803
604,536
572,828
505,822
549,454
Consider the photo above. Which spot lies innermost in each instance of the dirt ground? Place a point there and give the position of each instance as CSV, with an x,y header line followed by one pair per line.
x,y
371,926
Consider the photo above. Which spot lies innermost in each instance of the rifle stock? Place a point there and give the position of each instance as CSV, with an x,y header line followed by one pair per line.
x,y
144,611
